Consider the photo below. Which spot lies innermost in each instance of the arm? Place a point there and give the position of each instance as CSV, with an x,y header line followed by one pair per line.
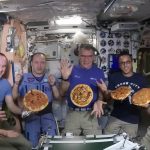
x,y
11,105
55,91
16,86
65,70
103,88
15,91
64,85
98,106
52,82
8,133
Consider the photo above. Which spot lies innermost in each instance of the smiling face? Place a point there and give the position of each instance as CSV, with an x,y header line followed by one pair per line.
x,y
3,65
38,65
86,58
125,62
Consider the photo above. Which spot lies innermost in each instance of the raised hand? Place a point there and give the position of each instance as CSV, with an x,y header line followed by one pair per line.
x,y
102,86
51,79
66,68
18,78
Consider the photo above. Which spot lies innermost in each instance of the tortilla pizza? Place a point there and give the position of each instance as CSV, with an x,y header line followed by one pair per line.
x,y
81,95
121,93
142,97
35,100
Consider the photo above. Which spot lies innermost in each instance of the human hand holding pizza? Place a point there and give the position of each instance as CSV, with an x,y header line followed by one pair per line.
x,y
34,101
65,68
142,98
26,114
121,93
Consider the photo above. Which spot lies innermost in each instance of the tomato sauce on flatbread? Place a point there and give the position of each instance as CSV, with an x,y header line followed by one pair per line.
x,y
121,93
81,95
35,100
141,97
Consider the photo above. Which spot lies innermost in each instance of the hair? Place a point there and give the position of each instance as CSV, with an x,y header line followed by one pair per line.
x,y
88,47
123,53
5,75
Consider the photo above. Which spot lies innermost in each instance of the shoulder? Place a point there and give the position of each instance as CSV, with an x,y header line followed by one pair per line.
x,y
138,74
94,67
76,68
116,74
5,84
139,77
5,81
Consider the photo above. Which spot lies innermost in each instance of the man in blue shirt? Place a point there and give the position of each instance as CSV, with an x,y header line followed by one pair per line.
x,y
42,122
125,115
81,119
9,139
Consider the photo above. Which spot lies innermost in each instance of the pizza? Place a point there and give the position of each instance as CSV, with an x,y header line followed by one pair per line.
x,y
35,100
121,93
141,97
81,95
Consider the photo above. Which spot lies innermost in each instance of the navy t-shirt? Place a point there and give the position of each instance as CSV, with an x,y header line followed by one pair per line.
x,y
125,110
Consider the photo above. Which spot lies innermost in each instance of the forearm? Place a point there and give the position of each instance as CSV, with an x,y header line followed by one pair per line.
x,y
55,92
3,132
100,96
15,93
15,109
12,106
107,95
9,133
64,87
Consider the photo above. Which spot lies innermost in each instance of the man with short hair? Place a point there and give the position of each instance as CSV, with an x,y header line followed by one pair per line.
x,y
125,115
82,119
9,139
42,122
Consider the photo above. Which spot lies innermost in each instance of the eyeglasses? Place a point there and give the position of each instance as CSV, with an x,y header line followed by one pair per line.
x,y
125,63
86,56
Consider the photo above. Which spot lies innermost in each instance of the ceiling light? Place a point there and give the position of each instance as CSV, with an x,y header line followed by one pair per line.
x,y
123,10
135,2
75,20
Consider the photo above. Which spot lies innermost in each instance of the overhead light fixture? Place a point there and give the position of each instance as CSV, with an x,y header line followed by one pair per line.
x,y
75,20
135,2
122,10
